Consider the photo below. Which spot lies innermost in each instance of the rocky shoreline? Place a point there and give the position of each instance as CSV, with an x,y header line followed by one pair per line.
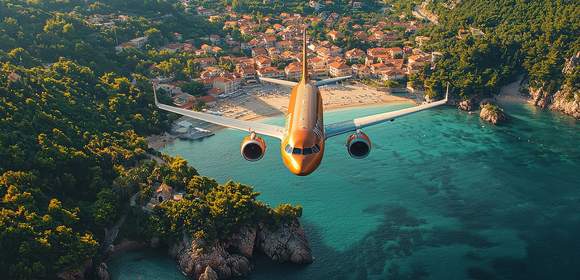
x,y
565,99
231,257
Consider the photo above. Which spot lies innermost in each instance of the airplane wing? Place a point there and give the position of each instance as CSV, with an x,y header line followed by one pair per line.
x,y
279,82
260,128
339,128
331,80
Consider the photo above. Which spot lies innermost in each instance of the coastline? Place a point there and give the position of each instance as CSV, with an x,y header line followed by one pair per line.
x,y
258,107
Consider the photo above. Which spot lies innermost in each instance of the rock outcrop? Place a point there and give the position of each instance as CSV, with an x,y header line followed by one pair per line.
x,y
243,242
230,258
492,113
194,257
287,243
208,274
540,97
465,105
567,98
103,272
567,101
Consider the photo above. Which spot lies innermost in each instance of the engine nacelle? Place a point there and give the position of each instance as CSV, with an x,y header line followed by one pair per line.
x,y
253,147
358,145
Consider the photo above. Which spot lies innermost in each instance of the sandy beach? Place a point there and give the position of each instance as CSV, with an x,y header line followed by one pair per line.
x,y
510,93
268,101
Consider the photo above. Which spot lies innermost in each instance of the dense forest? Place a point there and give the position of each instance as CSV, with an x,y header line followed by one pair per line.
x,y
533,38
73,116
74,113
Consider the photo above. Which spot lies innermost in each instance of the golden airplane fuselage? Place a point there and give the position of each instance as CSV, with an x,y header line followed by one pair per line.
x,y
302,148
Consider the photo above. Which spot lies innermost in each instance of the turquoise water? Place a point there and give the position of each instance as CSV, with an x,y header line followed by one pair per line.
x,y
442,195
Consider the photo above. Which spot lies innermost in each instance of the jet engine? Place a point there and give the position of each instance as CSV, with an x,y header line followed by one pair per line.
x,y
358,145
253,147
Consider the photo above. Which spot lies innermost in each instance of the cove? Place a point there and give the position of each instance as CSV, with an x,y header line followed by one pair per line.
x,y
442,195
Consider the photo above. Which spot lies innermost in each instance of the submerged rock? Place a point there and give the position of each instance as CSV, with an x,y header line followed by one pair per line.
x,y
286,243
492,113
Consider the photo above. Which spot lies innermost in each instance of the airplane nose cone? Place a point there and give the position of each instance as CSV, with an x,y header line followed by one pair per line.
x,y
302,166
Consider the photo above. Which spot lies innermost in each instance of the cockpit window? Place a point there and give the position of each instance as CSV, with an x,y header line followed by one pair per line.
x,y
298,151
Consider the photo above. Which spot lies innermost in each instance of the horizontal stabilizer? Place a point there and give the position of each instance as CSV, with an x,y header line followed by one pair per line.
x,y
279,82
331,80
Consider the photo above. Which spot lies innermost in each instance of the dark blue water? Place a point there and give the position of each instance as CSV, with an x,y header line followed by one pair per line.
x,y
443,195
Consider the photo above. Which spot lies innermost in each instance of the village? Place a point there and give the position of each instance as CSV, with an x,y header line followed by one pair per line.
x,y
386,54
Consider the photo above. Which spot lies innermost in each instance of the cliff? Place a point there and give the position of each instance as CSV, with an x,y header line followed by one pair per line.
x,y
567,98
231,258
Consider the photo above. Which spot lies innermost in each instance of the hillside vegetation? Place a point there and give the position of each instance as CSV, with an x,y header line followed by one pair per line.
x,y
519,37
73,114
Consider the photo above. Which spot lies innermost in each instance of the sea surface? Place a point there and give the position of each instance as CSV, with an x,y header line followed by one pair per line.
x,y
442,195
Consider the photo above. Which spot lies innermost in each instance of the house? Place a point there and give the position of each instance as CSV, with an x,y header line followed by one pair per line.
x,y
377,54
377,68
171,89
13,77
247,72
269,40
259,51
361,36
205,12
392,74
263,61
211,72
463,33
395,52
227,84
285,45
416,62
272,51
270,72
317,63
355,55
361,71
204,62
136,43
339,69
421,40
293,71
163,193
334,35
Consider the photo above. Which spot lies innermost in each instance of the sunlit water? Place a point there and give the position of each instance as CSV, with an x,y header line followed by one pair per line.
x,y
443,195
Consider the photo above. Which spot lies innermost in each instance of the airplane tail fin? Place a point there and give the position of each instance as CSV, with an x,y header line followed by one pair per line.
x,y
304,59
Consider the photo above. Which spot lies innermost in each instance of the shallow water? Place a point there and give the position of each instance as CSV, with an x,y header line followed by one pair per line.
x,y
443,195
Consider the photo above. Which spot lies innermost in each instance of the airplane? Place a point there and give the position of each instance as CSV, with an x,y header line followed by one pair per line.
x,y
304,134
